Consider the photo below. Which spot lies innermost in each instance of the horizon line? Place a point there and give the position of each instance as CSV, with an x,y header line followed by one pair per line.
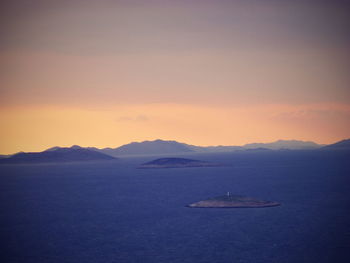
x,y
164,140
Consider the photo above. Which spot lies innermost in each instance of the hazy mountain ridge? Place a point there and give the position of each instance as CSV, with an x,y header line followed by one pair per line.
x,y
168,147
58,154
149,147
344,144
284,144
163,147
73,147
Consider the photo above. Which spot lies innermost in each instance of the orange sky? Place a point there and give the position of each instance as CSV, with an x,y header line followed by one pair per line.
x,y
105,73
38,128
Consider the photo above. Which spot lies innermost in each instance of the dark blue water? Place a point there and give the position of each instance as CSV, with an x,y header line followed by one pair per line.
x,y
112,212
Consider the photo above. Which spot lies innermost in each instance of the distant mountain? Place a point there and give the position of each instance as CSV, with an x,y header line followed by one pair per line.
x,y
149,147
162,147
72,147
57,154
170,147
284,144
344,144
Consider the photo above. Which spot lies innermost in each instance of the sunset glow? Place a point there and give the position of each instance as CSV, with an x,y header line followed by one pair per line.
x,y
105,73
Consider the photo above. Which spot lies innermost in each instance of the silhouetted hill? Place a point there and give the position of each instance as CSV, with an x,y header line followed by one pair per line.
x,y
162,147
344,144
72,147
57,154
149,147
284,144
176,163
170,147
174,147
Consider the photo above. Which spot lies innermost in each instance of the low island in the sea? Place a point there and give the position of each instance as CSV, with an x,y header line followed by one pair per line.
x,y
177,163
232,201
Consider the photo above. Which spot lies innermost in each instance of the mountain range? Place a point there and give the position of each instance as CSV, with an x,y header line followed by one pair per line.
x,y
170,147
156,147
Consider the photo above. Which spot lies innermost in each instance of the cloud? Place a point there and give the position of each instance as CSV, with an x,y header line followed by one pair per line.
x,y
138,118
38,128
321,123
313,114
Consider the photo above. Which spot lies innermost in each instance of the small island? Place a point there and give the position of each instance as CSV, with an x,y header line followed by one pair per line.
x,y
232,201
176,163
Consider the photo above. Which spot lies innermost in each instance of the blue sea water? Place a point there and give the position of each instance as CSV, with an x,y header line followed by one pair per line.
x,y
112,212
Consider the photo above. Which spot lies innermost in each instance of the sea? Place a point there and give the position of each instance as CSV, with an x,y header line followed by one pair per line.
x,y
111,211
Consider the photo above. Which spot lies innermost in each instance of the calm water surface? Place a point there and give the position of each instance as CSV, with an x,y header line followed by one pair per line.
x,y
112,212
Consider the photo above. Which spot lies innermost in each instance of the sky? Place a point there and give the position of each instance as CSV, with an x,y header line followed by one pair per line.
x,y
204,72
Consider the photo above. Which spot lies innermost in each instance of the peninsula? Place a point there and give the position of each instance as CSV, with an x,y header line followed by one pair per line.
x,y
57,155
232,201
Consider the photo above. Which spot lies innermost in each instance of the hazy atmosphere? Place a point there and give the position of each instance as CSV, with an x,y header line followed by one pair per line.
x,y
105,73
175,131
